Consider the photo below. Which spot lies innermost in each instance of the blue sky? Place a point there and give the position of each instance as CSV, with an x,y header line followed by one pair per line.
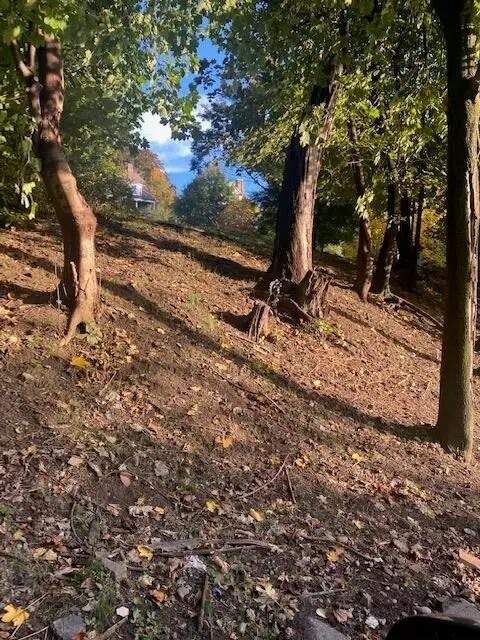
x,y
176,155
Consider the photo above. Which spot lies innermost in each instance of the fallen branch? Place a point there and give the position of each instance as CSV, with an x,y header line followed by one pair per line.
x,y
35,633
290,487
255,394
203,603
265,484
113,629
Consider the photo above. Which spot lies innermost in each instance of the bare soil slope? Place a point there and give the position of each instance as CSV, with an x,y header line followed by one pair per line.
x,y
305,462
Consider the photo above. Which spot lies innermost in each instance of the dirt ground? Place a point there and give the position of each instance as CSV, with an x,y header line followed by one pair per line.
x,y
300,471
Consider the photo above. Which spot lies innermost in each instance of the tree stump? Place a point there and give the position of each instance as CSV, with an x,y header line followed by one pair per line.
x,y
258,320
312,292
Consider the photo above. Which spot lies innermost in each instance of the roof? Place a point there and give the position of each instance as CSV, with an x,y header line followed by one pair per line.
x,y
144,194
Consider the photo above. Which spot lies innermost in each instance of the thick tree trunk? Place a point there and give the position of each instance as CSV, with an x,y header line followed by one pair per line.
x,y
76,218
455,414
388,250
292,256
363,280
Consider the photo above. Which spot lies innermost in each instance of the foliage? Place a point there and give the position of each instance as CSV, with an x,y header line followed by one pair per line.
x,y
203,200
239,214
149,166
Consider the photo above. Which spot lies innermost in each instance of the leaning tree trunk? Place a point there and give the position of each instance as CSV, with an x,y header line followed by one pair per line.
x,y
388,250
363,280
292,255
455,413
76,218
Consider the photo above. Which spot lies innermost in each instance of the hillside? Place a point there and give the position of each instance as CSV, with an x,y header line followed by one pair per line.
x,y
175,427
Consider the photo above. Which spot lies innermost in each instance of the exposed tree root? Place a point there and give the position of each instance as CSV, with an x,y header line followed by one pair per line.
x,y
302,302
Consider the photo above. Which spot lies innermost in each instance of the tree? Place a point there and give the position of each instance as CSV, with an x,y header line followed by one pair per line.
x,y
204,200
123,45
455,414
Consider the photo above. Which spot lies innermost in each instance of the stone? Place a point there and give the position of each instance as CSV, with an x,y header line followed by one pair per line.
x,y
122,612
460,608
161,469
314,629
118,569
69,627
425,611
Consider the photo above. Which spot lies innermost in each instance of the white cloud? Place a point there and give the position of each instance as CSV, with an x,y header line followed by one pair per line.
x,y
175,154
153,130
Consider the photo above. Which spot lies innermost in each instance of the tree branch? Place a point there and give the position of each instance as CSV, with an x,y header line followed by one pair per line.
x,y
22,67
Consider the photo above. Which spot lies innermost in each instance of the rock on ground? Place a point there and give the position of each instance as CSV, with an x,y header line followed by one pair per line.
x,y
461,608
68,627
314,629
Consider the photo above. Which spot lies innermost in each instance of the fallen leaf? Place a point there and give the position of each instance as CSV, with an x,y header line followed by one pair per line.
x,y
469,559
334,555
321,613
14,615
343,615
158,596
357,457
358,523
125,479
75,461
80,362
144,551
50,556
193,411
225,441
196,389
39,552
160,510
211,506
259,516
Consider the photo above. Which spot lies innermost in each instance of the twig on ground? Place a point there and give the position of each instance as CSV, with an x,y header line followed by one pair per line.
x,y
290,486
203,602
37,601
255,394
105,387
35,633
113,629
325,592
265,484
72,516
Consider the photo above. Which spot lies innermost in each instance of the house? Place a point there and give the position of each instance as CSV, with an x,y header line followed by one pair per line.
x,y
141,196
238,189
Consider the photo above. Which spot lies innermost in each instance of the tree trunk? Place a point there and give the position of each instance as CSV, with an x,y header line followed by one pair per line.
x,y
388,250
455,414
363,280
76,218
412,278
404,236
292,256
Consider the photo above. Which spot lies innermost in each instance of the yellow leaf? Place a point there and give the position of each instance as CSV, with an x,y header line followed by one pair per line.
x,y
39,552
225,441
29,451
144,551
160,510
211,506
18,535
79,361
333,555
196,389
359,524
317,383
158,596
14,615
193,411
259,516
50,556
357,457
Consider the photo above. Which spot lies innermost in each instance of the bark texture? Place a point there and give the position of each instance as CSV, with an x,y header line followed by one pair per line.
x,y
388,250
43,77
455,414
292,255
363,281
